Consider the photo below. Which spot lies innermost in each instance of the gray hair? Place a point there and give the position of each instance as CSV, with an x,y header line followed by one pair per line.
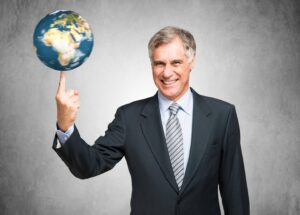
x,y
167,34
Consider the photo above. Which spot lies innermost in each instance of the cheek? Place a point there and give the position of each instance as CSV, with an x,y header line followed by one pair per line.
x,y
155,74
156,79
186,74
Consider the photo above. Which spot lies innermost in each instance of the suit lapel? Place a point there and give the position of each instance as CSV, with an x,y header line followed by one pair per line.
x,y
153,132
201,127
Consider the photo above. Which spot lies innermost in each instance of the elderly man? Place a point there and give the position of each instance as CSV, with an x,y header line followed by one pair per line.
x,y
179,146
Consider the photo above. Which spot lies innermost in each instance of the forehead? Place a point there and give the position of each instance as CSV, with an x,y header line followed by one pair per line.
x,y
172,50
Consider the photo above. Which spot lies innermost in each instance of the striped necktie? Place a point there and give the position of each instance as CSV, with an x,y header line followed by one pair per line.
x,y
174,141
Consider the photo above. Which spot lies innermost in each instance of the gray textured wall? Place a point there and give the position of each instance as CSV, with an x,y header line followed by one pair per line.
x,y
248,54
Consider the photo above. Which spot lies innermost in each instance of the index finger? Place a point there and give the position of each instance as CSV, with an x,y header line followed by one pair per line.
x,y
62,83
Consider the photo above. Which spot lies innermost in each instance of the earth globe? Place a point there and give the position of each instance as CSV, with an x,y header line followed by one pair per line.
x,y
63,40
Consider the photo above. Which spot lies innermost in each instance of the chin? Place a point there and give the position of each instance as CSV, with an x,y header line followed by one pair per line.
x,y
169,94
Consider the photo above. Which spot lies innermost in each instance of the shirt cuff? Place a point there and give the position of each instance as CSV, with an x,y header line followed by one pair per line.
x,y
63,136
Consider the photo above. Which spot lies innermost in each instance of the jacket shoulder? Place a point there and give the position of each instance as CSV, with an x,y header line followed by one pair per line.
x,y
136,106
211,104
215,102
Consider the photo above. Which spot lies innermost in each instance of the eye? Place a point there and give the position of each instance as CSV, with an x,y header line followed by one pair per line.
x,y
177,62
158,63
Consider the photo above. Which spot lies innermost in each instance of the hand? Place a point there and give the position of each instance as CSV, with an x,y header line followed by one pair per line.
x,y
67,103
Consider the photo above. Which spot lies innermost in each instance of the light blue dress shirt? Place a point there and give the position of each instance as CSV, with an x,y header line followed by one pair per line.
x,y
63,136
185,116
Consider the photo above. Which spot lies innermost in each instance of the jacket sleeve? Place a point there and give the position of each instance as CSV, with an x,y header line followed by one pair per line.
x,y
85,161
232,178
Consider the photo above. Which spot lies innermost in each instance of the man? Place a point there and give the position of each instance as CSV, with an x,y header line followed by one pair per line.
x,y
179,146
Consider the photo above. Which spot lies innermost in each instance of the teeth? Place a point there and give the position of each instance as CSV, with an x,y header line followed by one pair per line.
x,y
168,82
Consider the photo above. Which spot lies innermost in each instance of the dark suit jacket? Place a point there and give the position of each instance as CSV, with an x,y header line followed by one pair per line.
x,y
136,133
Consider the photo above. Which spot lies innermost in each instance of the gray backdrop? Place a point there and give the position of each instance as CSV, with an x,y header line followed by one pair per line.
x,y
248,54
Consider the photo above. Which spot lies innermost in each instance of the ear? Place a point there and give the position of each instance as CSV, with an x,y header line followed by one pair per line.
x,y
193,62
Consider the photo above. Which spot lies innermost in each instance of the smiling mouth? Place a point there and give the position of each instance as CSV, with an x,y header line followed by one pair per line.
x,y
169,82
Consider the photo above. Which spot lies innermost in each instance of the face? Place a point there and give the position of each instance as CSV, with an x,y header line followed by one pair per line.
x,y
171,69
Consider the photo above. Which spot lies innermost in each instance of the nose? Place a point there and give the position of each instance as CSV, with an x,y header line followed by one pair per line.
x,y
168,71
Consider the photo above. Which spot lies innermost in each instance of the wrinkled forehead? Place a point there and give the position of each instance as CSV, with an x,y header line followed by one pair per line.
x,y
172,50
167,41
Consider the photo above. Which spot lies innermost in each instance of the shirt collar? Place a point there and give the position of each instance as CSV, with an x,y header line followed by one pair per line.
x,y
185,102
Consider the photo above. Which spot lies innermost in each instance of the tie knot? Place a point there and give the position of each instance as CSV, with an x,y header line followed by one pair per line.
x,y
174,107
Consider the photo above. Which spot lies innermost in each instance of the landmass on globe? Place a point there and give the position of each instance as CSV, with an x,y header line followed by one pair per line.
x,y
63,40
66,42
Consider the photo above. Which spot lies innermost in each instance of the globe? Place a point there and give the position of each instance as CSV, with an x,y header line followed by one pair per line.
x,y
63,40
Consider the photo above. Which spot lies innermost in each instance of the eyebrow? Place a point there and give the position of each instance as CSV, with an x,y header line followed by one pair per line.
x,y
172,61
156,62
177,61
